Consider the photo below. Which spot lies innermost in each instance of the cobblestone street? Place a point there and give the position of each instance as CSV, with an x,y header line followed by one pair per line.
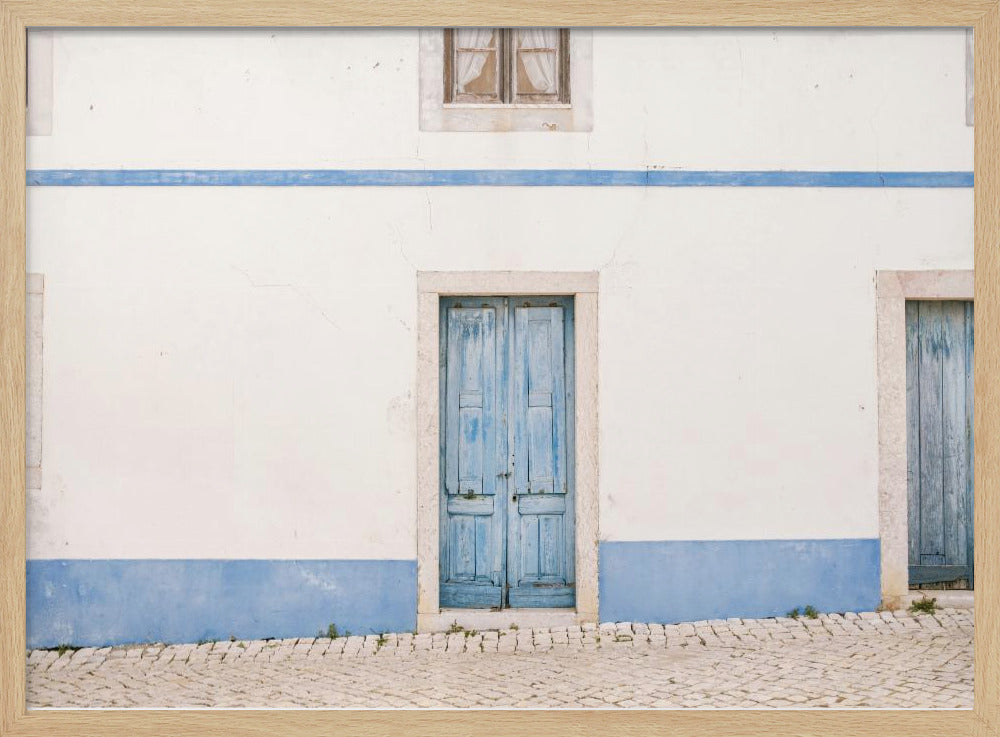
x,y
889,660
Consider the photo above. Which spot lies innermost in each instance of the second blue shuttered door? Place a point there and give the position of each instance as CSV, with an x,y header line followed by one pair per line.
x,y
940,452
507,497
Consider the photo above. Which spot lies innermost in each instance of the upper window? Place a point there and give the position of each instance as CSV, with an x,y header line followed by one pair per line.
x,y
506,79
506,66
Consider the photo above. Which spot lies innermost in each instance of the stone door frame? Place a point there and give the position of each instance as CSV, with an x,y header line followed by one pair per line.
x,y
892,289
431,286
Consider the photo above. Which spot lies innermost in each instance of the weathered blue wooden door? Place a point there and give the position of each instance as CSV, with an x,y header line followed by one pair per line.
x,y
540,531
939,394
474,446
506,452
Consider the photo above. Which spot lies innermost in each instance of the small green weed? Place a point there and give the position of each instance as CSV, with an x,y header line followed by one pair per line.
x,y
794,613
810,612
455,628
331,632
924,606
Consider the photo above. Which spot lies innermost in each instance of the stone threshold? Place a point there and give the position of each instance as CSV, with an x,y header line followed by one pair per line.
x,y
952,598
489,619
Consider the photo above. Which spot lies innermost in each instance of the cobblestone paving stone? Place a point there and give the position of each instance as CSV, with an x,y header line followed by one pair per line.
x,y
886,660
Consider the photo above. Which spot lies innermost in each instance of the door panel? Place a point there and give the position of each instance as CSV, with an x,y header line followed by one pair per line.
x,y
474,448
540,542
471,419
939,441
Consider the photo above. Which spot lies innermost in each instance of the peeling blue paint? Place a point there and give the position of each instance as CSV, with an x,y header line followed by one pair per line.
x,y
683,581
101,602
490,178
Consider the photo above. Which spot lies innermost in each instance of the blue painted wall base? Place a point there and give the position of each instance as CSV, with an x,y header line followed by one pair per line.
x,y
100,602
682,581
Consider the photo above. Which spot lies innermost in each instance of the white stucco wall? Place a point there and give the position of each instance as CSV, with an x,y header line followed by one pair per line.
x,y
229,372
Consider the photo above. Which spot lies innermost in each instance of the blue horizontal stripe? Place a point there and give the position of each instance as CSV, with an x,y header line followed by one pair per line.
x,y
101,602
683,581
489,178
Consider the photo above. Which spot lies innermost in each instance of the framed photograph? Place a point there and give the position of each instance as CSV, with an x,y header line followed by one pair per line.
x,y
614,368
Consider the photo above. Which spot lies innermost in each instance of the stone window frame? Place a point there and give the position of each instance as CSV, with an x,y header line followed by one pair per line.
x,y
35,290
38,114
970,78
436,115
431,286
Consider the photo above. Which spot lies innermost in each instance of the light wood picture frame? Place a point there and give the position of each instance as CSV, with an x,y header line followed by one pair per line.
x,y
16,16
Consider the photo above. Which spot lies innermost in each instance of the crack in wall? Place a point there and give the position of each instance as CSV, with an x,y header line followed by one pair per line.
x,y
296,289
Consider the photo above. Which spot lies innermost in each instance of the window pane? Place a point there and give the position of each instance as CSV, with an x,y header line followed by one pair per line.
x,y
538,62
476,69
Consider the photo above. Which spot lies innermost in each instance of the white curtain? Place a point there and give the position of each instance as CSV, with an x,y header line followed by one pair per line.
x,y
469,64
540,66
